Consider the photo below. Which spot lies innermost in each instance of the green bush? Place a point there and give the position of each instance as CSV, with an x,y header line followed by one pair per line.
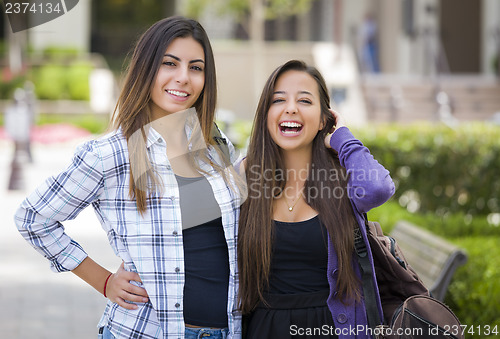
x,y
238,132
60,52
94,123
78,80
3,47
450,225
474,292
438,169
57,81
50,82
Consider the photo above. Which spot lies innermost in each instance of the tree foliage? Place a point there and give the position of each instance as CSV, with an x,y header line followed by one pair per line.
x,y
242,9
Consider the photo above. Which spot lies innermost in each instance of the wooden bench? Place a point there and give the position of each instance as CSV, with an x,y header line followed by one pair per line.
x,y
432,257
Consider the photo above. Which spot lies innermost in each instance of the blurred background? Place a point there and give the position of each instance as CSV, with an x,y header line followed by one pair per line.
x,y
418,81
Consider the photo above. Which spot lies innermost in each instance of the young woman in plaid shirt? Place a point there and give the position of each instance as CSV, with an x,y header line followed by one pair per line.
x,y
165,193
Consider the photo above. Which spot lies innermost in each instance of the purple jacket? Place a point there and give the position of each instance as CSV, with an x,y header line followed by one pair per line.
x,y
369,186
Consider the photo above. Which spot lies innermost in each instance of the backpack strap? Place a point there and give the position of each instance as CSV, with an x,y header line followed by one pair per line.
x,y
221,142
372,312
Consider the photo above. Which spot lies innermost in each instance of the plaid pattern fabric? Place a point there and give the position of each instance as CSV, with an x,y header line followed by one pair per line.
x,y
150,245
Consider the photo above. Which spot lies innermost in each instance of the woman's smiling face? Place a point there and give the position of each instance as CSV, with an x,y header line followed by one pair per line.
x,y
294,117
180,78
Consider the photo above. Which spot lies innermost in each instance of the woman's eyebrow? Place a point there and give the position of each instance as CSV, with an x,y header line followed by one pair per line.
x,y
196,60
300,92
179,59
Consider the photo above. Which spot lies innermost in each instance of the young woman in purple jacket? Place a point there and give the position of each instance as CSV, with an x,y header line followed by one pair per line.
x,y
307,191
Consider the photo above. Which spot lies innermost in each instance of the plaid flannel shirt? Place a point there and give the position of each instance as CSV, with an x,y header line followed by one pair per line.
x,y
150,245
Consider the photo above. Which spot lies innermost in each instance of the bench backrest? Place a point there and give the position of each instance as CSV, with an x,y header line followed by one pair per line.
x,y
432,257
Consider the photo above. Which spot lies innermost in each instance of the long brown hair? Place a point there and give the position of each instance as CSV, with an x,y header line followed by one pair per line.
x,y
132,111
264,163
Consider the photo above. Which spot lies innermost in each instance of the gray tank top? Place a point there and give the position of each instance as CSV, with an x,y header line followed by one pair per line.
x,y
198,204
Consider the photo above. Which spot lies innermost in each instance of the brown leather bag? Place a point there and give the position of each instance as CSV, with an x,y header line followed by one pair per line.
x,y
421,316
409,310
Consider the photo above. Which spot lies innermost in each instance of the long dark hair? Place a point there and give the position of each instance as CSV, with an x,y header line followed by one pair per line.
x,y
264,162
132,111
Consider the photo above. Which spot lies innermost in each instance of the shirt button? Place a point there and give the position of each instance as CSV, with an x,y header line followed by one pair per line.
x,y
177,305
177,270
174,232
342,318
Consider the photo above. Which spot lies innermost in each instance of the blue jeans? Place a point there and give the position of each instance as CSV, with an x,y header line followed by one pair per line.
x,y
106,334
191,333
202,333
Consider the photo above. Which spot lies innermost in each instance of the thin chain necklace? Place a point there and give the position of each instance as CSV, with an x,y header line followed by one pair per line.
x,y
290,208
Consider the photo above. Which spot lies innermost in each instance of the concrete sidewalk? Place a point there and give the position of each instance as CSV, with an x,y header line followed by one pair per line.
x,y
35,302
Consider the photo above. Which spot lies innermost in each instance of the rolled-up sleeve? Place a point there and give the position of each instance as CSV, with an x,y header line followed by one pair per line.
x,y
61,198
370,184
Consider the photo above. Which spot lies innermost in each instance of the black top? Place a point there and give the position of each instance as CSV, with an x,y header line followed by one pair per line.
x,y
300,257
206,262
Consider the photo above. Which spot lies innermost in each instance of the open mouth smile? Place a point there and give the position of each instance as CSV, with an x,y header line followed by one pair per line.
x,y
290,127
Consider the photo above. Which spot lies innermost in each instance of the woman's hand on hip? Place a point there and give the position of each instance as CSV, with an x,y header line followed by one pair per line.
x,y
119,289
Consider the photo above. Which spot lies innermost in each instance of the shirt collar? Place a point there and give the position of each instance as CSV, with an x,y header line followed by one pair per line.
x,y
154,137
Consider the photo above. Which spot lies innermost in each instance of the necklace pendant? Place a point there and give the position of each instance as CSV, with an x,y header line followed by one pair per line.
x,y
290,208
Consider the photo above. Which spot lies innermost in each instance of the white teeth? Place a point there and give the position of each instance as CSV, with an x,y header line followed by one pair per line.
x,y
179,94
290,124
289,132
